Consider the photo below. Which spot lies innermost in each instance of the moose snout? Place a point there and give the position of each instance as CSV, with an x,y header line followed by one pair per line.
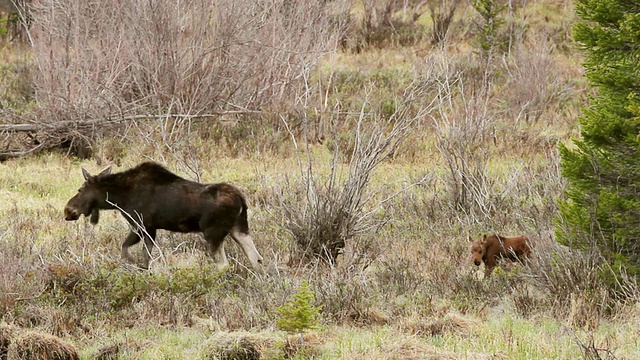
x,y
477,262
71,214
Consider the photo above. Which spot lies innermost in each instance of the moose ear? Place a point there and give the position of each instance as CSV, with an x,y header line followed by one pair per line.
x,y
86,174
106,171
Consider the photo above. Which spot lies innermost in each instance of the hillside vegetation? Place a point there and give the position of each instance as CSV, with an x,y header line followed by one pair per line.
x,y
372,140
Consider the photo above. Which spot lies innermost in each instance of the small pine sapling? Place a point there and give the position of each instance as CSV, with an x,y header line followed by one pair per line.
x,y
299,314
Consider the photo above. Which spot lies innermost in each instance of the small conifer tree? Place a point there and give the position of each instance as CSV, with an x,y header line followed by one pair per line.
x,y
299,314
491,13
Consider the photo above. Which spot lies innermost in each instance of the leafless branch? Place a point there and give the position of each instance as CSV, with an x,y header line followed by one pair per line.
x,y
138,228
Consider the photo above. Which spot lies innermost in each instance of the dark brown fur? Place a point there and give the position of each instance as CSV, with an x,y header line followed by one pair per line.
x,y
150,197
492,248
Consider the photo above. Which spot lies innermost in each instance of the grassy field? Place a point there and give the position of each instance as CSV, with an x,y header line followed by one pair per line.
x,y
420,297
481,158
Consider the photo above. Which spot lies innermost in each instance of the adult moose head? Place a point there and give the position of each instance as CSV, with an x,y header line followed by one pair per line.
x,y
150,197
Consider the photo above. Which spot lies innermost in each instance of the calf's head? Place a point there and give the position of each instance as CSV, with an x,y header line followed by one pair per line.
x,y
477,250
86,201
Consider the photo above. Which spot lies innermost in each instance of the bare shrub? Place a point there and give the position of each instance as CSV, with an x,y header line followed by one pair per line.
x,y
561,270
520,195
399,276
378,13
333,210
15,81
442,13
536,83
574,284
463,128
384,23
347,296
99,64
591,351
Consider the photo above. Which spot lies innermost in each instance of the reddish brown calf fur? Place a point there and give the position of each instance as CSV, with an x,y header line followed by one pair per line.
x,y
495,247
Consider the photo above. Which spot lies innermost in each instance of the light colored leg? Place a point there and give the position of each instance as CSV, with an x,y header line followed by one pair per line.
x,y
220,257
246,243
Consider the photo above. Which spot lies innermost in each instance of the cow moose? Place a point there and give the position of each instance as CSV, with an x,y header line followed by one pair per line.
x,y
490,249
150,198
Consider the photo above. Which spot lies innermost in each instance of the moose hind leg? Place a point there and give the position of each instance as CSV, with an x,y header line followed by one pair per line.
x,y
214,238
246,243
219,256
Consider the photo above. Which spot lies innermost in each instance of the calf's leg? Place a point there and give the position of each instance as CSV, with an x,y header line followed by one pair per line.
x,y
487,271
489,265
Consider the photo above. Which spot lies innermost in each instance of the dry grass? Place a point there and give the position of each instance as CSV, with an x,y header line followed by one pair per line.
x,y
32,345
241,346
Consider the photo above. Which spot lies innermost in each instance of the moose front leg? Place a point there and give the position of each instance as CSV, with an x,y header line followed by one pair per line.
x,y
149,242
487,271
246,243
489,265
132,239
